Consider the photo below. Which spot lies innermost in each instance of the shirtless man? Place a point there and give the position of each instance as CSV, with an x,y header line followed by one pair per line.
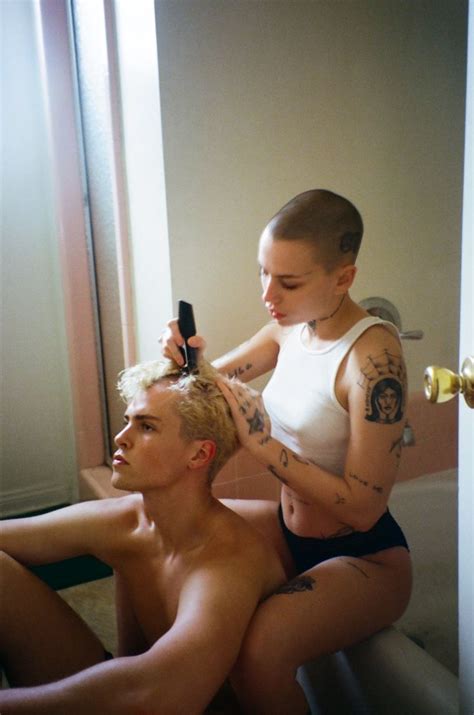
x,y
189,572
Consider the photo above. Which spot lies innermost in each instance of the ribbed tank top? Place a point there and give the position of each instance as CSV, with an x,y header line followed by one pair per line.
x,y
301,401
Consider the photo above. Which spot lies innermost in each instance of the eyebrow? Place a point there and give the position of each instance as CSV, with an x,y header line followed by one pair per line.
x,y
144,417
288,275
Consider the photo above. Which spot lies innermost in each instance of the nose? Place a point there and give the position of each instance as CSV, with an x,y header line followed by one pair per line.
x,y
269,290
122,439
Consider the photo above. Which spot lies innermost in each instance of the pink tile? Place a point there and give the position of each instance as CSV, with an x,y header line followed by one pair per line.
x,y
225,490
228,472
259,486
436,434
247,465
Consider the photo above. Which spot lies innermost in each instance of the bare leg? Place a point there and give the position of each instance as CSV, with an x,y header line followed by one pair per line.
x,y
41,638
335,604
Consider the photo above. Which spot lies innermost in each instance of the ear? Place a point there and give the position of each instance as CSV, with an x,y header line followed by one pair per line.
x,y
346,278
203,454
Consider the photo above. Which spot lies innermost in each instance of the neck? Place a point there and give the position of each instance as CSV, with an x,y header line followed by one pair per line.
x,y
330,327
181,514
314,324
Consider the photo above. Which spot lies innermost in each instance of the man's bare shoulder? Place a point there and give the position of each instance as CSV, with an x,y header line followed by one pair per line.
x,y
241,549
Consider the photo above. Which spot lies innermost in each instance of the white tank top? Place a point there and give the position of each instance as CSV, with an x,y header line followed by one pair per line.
x,y
301,401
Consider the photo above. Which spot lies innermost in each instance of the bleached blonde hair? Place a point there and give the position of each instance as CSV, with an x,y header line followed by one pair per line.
x,y
201,406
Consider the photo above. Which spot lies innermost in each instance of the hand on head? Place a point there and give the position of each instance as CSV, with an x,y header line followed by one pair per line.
x,y
252,422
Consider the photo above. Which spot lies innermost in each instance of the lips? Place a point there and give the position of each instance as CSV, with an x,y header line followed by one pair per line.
x,y
118,460
275,314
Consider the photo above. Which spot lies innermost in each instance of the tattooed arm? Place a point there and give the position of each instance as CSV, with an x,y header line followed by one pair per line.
x,y
253,358
373,389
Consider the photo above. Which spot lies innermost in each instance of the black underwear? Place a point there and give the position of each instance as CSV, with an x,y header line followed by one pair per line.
x,y
309,551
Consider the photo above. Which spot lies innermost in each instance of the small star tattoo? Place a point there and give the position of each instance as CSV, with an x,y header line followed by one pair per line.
x,y
256,423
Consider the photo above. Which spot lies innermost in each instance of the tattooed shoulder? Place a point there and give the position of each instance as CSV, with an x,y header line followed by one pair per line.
x,y
383,379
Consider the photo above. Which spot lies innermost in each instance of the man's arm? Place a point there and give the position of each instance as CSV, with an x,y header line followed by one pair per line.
x,y
180,673
83,528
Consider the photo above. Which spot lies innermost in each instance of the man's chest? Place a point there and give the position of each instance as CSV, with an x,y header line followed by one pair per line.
x,y
151,591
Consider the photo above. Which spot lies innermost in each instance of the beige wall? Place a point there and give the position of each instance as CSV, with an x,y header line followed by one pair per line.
x,y
261,100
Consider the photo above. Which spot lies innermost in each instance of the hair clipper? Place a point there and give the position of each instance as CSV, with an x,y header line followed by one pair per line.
x,y
187,328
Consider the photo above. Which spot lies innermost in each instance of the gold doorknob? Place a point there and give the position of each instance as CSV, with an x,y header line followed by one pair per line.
x,y
442,384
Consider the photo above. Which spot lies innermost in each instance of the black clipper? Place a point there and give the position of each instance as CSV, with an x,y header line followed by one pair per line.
x,y
187,328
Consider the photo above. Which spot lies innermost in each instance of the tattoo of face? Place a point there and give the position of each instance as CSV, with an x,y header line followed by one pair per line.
x,y
385,402
297,585
383,379
257,422
273,470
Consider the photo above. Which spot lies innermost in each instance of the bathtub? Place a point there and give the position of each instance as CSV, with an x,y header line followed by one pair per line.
x,y
412,667
426,508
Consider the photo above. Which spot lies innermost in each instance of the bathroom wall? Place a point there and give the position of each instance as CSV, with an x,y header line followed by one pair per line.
x,y
261,100
38,465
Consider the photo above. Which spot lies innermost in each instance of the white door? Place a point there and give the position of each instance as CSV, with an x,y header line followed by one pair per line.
x,y
466,415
